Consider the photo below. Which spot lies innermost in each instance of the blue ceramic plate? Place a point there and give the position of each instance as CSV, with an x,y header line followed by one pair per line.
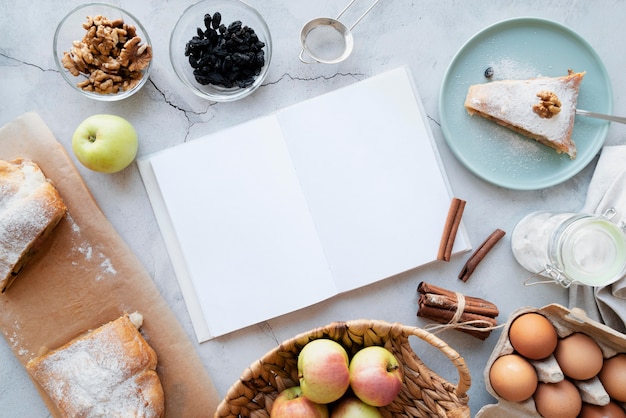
x,y
515,49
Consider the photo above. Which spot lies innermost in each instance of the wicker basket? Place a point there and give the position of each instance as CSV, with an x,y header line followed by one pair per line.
x,y
424,393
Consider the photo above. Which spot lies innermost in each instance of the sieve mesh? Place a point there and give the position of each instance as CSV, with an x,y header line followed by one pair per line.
x,y
325,43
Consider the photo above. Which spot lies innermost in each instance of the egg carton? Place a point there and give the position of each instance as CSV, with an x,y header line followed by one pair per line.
x,y
566,322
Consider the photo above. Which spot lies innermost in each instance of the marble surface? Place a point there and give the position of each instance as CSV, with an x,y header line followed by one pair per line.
x,y
424,35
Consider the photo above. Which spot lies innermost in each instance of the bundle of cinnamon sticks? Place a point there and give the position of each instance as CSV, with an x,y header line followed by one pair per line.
x,y
472,315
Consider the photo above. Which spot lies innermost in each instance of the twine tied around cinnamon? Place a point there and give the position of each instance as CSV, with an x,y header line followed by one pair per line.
x,y
454,310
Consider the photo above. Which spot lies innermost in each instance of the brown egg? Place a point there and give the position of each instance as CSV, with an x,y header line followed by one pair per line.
x,y
579,356
558,400
613,377
611,410
533,336
513,378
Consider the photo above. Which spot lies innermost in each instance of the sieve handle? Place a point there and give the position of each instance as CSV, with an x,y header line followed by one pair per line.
x,y
361,17
304,60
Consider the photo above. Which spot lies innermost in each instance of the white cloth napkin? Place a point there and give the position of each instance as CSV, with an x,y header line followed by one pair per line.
x,y
606,304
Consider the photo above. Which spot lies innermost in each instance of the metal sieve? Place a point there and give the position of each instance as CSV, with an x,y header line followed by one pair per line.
x,y
328,41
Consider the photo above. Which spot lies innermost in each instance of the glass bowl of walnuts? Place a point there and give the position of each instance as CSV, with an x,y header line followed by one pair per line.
x,y
102,51
221,49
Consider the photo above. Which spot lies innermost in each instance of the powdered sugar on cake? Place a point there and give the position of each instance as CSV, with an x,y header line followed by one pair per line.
x,y
508,68
514,101
510,103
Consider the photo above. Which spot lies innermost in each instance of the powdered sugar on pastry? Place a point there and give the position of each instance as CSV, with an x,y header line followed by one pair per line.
x,y
109,372
30,207
510,103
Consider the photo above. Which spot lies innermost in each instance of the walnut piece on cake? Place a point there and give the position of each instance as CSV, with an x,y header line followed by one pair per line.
x,y
549,104
30,209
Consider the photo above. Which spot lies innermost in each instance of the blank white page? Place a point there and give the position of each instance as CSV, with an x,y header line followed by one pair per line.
x,y
243,226
325,196
371,176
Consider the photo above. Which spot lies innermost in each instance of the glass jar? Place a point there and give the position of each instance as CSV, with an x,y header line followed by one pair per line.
x,y
570,247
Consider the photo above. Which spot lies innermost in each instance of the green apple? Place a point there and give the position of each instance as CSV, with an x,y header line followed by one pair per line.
x,y
352,407
375,376
105,143
323,370
290,403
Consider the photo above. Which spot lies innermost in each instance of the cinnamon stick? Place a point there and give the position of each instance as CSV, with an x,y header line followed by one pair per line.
x,y
436,315
442,306
470,301
445,315
453,220
446,302
479,254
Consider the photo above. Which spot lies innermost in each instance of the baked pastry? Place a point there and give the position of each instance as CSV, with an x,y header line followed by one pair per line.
x,y
30,208
542,108
108,372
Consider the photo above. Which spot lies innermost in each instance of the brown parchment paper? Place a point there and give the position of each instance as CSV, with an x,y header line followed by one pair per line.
x,y
85,276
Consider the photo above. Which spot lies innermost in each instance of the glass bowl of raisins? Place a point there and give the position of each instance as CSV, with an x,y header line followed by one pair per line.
x,y
221,49
102,51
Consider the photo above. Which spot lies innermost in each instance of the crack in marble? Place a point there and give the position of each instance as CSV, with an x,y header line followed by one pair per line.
x,y
435,121
266,328
187,112
319,77
173,105
29,64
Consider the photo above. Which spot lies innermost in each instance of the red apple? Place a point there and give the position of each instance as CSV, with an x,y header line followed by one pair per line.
x,y
352,407
323,370
291,403
375,376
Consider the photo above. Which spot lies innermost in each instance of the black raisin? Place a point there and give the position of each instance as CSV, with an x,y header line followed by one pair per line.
x,y
230,56
207,21
245,82
235,26
217,19
489,72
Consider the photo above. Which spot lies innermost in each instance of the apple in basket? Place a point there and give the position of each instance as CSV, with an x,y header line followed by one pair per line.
x,y
323,370
290,403
353,407
375,376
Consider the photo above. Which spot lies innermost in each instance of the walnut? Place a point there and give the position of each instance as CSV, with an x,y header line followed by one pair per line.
x,y
134,55
549,104
110,55
69,62
100,81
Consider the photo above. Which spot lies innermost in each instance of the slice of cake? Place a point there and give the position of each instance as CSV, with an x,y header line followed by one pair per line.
x,y
542,108
107,372
30,208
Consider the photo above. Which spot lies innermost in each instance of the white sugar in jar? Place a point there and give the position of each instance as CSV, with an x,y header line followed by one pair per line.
x,y
571,247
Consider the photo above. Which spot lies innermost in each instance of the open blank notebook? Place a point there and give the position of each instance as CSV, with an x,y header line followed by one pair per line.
x,y
284,211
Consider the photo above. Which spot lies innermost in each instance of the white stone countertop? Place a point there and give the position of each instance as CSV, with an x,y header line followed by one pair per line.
x,y
423,35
